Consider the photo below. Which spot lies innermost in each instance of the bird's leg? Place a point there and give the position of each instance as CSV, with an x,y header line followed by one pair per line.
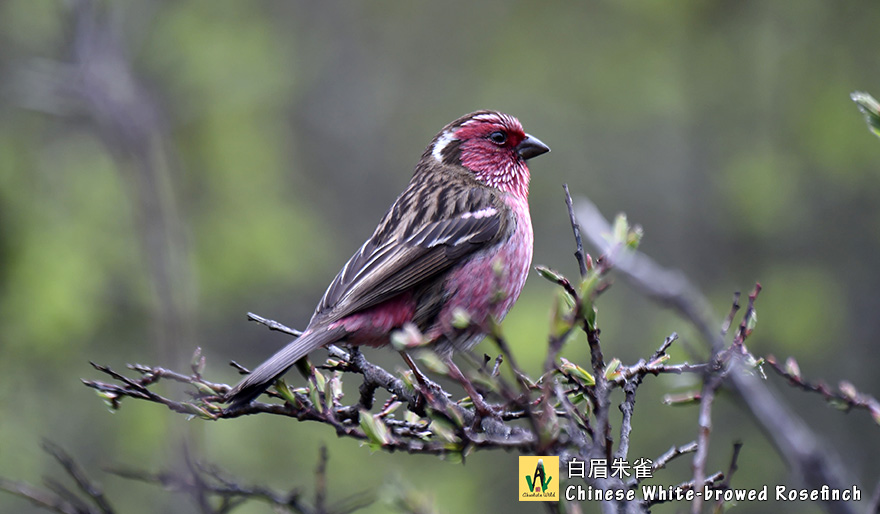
x,y
430,390
483,408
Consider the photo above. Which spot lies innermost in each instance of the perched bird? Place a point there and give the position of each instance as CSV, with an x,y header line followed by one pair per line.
x,y
457,236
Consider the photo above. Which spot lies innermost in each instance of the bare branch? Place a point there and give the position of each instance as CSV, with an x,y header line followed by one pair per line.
x,y
816,464
274,325
846,397
579,249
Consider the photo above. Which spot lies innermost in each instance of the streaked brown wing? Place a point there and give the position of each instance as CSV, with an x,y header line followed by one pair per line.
x,y
383,269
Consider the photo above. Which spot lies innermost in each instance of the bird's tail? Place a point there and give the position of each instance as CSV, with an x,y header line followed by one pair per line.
x,y
266,373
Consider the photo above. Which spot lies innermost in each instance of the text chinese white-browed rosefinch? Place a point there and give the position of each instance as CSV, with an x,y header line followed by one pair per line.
x,y
457,236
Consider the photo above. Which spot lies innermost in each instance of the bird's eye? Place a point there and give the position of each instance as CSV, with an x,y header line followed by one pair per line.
x,y
498,137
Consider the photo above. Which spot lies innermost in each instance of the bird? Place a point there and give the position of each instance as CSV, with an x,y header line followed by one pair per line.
x,y
458,239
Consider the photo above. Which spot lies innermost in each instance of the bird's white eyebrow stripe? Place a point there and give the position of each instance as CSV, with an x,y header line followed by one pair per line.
x,y
444,139
482,213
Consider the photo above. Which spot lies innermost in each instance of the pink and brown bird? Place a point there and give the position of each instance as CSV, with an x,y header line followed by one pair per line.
x,y
459,235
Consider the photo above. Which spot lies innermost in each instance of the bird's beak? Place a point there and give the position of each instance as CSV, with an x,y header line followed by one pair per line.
x,y
531,147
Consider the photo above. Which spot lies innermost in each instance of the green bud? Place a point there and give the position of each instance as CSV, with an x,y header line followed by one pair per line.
x,y
751,322
792,367
197,363
848,390
682,399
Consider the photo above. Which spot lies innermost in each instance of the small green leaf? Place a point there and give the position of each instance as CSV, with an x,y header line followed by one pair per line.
x,y
870,108
285,392
204,388
110,399
620,229
315,397
573,370
659,360
336,386
577,398
611,369
197,411
588,285
549,274
560,316
751,322
592,316
375,429
453,454
634,237
320,381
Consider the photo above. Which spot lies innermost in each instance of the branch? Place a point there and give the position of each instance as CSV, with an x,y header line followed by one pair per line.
x,y
60,499
847,397
321,405
795,442
576,229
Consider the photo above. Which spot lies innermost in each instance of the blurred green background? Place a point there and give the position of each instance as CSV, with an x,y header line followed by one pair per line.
x,y
166,167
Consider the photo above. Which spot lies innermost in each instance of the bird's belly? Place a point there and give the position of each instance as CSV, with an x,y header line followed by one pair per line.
x,y
486,285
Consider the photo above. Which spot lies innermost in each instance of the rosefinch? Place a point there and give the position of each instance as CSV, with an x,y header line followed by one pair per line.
x,y
457,236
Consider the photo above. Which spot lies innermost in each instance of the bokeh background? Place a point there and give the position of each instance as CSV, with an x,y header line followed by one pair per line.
x,y
167,166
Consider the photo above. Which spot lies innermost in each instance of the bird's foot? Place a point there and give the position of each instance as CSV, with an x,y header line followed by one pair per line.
x,y
483,408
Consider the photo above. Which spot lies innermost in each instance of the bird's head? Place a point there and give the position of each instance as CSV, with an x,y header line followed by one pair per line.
x,y
492,146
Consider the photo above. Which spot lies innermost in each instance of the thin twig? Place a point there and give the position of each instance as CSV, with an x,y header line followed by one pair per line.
x,y
85,484
321,481
733,466
579,250
847,396
274,325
